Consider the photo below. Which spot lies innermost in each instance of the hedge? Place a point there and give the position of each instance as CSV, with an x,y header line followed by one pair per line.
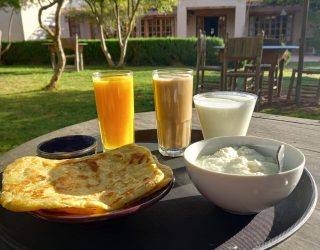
x,y
141,52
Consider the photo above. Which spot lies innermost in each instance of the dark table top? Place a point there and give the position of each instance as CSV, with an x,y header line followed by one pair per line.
x,y
301,133
270,47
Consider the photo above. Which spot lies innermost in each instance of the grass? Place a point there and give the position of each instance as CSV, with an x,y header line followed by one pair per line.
x,y
27,112
308,111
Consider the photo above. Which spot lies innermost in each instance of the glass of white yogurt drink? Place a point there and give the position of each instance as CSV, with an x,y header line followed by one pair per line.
x,y
224,113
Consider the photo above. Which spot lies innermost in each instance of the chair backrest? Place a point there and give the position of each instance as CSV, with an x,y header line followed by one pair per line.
x,y
243,48
201,49
70,43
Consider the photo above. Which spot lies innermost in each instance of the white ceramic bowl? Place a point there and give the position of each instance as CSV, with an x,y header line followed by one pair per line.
x,y
244,194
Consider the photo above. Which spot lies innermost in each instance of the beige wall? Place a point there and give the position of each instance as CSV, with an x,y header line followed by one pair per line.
x,y
237,22
296,31
64,26
85,30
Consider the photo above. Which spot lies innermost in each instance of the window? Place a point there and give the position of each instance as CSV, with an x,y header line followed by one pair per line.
x,y
158,26
274,26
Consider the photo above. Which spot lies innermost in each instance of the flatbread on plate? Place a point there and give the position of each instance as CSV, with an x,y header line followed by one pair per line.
x,y
101,182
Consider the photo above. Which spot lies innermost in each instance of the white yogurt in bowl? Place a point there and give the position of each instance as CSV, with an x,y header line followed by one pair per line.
x,y
238,160
247,189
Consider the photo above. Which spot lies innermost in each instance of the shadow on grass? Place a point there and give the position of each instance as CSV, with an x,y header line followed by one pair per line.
x,y
24,117
26,92
20,73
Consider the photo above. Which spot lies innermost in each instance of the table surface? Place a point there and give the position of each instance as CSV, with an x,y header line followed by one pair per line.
x,y
301,133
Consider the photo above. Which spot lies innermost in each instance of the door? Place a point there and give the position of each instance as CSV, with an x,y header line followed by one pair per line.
x,y
211,26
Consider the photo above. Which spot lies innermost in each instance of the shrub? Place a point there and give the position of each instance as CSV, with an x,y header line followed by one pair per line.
x,y
141,52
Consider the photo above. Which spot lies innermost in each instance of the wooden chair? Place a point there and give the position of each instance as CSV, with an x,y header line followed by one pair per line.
x,y
266,67
308,93
236,51
72,44
201,67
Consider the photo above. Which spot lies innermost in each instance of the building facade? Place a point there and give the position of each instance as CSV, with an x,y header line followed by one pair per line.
x,y
216,17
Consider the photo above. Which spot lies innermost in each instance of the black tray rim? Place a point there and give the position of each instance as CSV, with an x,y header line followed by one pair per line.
x,y
196,134
300,222
7,239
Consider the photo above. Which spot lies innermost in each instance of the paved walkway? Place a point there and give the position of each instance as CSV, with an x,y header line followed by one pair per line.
x,y
307,58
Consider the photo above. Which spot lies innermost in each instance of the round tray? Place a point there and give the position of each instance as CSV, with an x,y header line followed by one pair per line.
x,y
183,219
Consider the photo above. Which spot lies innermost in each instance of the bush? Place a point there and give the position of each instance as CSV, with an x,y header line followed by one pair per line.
x,y
140,52
27,52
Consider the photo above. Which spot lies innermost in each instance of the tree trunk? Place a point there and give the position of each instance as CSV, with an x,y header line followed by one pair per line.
x,y
105,48
61,63
0,45
123,48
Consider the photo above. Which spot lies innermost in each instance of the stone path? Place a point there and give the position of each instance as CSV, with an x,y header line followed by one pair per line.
x,y
307,58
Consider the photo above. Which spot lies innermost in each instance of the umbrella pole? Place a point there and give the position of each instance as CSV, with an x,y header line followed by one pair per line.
x,y
301,49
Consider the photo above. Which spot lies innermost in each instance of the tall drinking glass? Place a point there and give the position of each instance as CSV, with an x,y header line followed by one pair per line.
x,y
224,113
115,107
173,105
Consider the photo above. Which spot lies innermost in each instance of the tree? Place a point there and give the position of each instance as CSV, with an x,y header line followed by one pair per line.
x,y
120,15
13,5
55,33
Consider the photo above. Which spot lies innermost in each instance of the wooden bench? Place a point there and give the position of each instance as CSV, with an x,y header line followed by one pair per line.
x,y
309,93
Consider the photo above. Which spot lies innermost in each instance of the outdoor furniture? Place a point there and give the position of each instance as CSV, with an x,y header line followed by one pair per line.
x,y
201,66
273,55
271,85
72,45
73,49
308,93
236,51
183,211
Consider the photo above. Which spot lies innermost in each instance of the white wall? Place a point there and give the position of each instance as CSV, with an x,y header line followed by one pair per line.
x,y
238,23
31,27
25,24
16,29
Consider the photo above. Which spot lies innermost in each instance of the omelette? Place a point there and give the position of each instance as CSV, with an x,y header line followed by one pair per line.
x,y
93,184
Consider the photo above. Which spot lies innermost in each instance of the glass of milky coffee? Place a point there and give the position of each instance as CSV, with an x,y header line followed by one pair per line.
x,y
173,105
224,113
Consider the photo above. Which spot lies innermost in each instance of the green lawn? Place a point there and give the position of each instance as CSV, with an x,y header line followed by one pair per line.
x,y
27,112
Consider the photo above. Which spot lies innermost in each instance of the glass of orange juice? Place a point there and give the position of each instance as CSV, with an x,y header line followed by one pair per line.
x,y
115,107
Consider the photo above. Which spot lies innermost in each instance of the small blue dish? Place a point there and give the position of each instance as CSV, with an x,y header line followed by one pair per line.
x,y
66,147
